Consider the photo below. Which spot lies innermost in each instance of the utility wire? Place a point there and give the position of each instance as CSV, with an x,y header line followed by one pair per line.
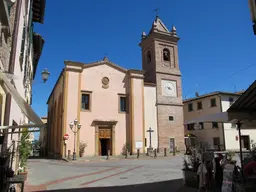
x,y
227,77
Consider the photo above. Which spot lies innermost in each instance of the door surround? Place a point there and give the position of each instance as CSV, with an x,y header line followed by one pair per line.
x,y
108,124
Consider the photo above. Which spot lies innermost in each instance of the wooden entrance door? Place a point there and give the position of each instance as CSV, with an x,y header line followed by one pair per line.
x,y
105,140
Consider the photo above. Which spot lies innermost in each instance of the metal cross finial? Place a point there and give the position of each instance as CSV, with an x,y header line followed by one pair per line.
x,y
157,11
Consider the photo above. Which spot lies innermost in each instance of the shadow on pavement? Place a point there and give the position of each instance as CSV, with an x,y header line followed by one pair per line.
x,y
170,186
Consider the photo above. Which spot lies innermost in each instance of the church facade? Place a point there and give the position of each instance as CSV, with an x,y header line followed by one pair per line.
x,y
116,107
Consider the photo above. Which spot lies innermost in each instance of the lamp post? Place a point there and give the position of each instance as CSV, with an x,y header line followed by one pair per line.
x,y
45,74
239,124
75,127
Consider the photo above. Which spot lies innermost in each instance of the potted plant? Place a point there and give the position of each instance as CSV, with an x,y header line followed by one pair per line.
x,y
190,166
82,147
230,155
24,152
125,149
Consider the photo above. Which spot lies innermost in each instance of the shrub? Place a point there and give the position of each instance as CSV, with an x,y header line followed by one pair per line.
x,y
24,148
82,147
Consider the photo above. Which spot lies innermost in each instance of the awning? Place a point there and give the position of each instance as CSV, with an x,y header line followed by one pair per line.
x,y
190,135
223,117
24,106
246,102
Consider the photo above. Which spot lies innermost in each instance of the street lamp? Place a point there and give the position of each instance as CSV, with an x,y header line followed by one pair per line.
x,y
75,127
45,74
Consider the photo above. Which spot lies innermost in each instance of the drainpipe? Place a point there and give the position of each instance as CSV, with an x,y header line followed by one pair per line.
x,y
11,67
222,124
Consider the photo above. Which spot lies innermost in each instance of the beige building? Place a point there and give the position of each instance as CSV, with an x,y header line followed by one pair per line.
x,y
116,106
213,134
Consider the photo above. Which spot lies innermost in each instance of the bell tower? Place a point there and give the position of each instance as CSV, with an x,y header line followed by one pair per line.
x,y
161,65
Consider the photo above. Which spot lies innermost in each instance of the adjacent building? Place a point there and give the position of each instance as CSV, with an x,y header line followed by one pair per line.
x,y
117,106
43,138
20,50
216,135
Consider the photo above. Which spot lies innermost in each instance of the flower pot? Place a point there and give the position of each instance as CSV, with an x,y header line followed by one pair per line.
x,y
190,178
25,174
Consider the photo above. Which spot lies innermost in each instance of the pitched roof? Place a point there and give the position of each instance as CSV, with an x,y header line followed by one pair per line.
x,y
159,26
105,61
211,94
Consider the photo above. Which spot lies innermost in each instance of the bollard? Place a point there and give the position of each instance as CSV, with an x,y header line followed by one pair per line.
x,y
174,151
138,153
65,149
165,154
69,152
126,154
154,153
108,155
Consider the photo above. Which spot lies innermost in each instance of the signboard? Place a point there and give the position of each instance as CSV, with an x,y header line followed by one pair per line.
x,y
138,145
172,144
66,136
227,178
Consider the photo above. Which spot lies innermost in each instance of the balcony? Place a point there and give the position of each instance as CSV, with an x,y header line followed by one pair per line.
x,y
38,43
38,11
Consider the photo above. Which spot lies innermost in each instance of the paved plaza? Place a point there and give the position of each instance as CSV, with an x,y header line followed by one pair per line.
x,y
106,175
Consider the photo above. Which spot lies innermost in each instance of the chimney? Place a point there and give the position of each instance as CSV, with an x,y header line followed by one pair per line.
x,y
197,94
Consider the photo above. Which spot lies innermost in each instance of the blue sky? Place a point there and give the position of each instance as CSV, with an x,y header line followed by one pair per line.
x,y
216,51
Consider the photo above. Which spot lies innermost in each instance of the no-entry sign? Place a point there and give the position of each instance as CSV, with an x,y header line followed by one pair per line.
x,y
66,136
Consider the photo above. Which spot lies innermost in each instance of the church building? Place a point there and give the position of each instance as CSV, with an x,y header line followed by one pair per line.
x,y
116,107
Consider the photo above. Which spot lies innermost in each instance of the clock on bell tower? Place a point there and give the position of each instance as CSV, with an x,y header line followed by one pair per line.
x,y
161,65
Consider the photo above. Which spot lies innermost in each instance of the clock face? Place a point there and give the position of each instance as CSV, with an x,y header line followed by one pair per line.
x,y
169,88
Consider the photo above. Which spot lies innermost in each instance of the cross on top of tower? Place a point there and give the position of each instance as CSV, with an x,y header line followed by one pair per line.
x,y
157,11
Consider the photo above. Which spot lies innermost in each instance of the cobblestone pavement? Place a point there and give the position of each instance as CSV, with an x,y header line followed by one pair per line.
x,y
114,175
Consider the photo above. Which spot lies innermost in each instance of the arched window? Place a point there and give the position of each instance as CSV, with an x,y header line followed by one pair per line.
x,y
166,54
149,57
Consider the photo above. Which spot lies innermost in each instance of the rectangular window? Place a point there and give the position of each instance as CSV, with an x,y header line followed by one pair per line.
x,y
216,141
190,107
171,118
122,104
190,126
213,102
201,125
199,105
215,125
86,101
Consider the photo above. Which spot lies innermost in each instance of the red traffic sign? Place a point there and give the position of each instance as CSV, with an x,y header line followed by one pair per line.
x,y
66,136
